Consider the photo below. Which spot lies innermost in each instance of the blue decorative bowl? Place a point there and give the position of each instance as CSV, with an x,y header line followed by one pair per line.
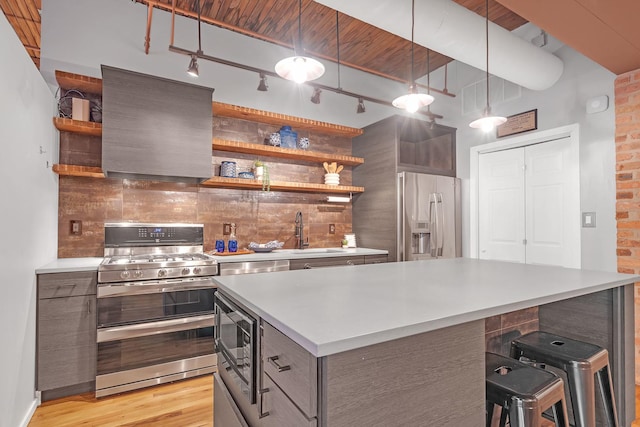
x,y
246,175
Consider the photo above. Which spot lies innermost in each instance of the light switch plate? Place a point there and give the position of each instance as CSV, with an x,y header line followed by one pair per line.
x,y
332,229
588,219
226,228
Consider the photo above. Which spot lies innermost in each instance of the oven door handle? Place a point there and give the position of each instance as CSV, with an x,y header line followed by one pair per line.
x,y
153,287
155,328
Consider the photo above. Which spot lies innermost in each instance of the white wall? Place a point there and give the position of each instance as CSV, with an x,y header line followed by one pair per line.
x,y
563,104
29,195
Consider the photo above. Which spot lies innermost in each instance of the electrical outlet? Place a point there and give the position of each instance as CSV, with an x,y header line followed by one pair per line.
x,y
226,228
76,227
332,229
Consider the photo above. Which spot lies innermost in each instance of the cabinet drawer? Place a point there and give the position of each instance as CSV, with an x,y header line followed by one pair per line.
x,y
375,259
225,411
60,285
292,367
306,263
282,411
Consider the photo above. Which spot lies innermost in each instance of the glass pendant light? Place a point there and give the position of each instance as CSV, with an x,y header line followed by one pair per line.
x,y
298,68
414,100
487,122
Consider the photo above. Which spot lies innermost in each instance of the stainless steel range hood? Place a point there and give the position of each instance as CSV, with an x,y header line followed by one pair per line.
x,y
154,128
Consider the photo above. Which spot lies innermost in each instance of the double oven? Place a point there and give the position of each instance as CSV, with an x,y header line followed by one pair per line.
x,y
155,310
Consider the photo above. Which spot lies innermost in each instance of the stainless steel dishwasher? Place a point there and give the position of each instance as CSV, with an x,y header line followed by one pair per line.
x,y
248,267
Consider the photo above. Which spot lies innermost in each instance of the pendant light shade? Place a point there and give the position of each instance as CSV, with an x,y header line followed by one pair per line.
x,y
412,101
299,68
487,122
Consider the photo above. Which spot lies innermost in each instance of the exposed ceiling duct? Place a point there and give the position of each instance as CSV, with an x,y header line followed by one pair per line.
x,y
455,31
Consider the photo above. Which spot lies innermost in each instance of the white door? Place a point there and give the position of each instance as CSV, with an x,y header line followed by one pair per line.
x,y
501,206
529,205
551,193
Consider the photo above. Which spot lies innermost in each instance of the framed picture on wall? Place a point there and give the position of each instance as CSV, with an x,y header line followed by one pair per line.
x,y
518,123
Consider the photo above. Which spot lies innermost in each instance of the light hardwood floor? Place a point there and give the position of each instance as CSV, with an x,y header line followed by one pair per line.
x,y
185,403
181,404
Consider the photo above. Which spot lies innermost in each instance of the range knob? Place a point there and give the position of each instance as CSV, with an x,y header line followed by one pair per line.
x,y
162,272
125,274
197,270
186,271
138,273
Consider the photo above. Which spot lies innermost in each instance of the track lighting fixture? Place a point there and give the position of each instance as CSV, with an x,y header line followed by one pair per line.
x,y
298,68
361,108
262,86
193,66
315,98
414,100
487,122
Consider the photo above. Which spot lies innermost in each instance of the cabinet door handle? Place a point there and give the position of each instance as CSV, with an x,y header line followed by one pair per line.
x,y
349,262
262,393
274,361
88,307
307,266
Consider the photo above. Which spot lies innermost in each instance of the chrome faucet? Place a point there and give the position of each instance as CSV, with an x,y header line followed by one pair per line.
x,y
300,243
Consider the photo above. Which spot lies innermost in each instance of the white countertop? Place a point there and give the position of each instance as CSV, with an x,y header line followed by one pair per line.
x,y
298,254
65,265
331,310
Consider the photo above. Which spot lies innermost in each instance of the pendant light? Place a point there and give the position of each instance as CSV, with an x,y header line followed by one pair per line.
x,y
298,68
412,101
487,122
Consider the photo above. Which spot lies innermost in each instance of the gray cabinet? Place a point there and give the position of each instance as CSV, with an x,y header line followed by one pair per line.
x,y
66,333
225,413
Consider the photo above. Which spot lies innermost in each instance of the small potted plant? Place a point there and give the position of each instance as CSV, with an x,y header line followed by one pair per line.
x,y
345,243
261,172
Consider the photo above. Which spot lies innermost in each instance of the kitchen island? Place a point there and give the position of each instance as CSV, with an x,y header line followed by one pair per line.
x,y
403,343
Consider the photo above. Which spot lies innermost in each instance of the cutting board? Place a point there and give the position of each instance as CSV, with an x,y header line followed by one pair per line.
x,y
239,252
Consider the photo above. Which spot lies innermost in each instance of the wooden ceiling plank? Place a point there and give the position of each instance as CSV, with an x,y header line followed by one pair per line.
x,y
571,23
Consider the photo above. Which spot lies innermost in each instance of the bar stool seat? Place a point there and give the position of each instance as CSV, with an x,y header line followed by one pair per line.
x,y
584,364
523,391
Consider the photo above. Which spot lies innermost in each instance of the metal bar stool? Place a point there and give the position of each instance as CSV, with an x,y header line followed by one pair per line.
x,y
582,362
523,391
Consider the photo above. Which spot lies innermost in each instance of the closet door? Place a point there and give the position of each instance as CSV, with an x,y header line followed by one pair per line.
x,y
552,194
529,205
501,206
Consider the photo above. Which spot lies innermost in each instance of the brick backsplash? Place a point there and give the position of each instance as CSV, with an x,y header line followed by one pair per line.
x,y
627,140
259,216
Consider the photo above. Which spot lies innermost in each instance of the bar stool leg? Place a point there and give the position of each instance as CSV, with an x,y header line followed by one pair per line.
x,y
521,417
560,414
490,406
605,386
503,417
582,390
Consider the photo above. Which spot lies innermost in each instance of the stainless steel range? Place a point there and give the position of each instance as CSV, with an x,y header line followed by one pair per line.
x,y
155,306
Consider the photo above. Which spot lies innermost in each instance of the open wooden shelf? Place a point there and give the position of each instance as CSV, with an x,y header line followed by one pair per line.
x,y
74,170
244,113
284,153
76,81
78,126
300,187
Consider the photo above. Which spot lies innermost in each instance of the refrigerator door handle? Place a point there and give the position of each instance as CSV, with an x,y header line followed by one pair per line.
x,y
400,227
433,226
440,224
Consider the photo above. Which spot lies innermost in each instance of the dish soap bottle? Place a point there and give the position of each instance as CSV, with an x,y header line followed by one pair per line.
x,y
233,243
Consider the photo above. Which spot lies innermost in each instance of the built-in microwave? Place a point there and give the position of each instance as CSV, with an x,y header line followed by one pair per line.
x,y
236,345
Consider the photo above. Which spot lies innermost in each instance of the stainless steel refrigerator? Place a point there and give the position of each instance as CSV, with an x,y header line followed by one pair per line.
x,y
428,217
